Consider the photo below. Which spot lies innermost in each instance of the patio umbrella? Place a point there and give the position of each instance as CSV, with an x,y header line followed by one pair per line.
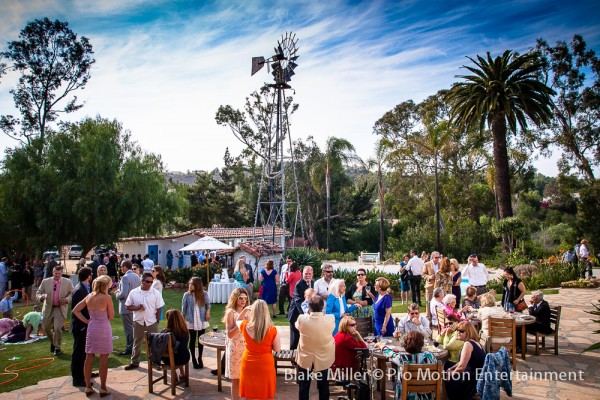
x,y
206,243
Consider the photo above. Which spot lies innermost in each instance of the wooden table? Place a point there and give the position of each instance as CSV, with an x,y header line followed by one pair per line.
x,y
520,324
382,361
217,341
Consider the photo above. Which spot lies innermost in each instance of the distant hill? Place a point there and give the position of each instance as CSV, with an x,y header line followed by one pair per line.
x,y
185,178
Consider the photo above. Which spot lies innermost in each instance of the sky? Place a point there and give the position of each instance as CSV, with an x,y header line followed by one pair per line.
x,y
163,67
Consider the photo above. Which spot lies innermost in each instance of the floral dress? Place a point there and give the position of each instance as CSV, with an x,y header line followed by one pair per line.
x,y
234,349
366,311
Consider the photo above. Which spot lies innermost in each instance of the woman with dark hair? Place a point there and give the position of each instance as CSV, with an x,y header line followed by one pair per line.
x,y
196,309
160,280
413,345
268,278
404,284
176,325
358,294
456,278
514,290
293,276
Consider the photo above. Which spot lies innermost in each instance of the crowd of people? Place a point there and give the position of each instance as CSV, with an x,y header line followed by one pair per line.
x,y
322,315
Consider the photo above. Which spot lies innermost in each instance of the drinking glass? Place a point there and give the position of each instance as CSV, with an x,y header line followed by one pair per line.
x,y
215,328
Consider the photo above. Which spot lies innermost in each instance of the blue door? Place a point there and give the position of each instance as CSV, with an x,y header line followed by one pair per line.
x,y
153,253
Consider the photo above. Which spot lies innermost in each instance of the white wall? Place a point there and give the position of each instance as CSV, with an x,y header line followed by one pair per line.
x,y
164,245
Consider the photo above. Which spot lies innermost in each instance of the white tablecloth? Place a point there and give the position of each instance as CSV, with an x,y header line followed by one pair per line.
x,y
219,292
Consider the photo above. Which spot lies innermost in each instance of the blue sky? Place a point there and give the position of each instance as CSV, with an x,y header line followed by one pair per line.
x,y
164,67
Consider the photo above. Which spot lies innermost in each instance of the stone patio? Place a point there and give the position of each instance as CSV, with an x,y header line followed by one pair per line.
x,y
575,335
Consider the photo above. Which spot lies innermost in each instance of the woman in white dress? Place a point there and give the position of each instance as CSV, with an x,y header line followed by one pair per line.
x,y
234,341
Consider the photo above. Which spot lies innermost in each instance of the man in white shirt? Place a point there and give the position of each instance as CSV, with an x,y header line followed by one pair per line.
x,y
322,285
146,303
477,273
147,263
415,265
414,321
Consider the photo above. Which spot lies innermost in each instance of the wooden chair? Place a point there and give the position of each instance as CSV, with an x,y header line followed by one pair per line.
x,y
503,333
421,378
167,367
284,359
364,326
440,314
554,323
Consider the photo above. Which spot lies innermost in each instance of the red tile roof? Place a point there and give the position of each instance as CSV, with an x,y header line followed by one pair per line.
x,y
256,249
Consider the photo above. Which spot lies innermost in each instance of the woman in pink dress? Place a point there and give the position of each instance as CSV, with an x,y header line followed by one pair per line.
x,y
99,333
234,341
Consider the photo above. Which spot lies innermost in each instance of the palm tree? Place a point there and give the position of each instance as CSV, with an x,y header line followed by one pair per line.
x,y
501,92
337,153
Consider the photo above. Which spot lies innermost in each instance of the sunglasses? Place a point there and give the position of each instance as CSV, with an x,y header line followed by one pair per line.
x,y
414,313
460,331
149,282
242,298
329,272
351,324
360,274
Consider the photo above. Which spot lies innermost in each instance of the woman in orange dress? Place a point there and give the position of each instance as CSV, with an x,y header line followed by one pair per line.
x,y
257,371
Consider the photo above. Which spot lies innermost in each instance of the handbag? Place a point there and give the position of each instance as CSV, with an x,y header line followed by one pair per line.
x,y
406,274
521,306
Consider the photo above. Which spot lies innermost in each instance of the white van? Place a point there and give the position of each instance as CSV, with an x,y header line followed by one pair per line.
x,y
75,251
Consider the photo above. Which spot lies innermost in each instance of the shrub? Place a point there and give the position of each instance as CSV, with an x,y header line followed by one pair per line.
x,y
305,256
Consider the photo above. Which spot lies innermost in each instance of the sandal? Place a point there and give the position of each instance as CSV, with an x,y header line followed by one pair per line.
x,y
104,393
89,391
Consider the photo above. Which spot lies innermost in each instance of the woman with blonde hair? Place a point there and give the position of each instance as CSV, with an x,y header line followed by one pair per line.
x,y
347,340
234,341
486,310
195,305
382,308
462,376
257,370
336,302
240,274
99,332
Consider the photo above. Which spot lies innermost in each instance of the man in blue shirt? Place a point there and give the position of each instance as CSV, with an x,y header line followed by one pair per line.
x,y
3,276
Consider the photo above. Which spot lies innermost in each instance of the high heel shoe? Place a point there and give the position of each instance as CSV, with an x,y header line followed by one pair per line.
x,y
89,391
104,393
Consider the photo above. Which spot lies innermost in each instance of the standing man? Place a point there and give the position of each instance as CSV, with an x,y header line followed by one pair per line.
x,y
94,266
316,350
415,265
3,276
250,279
322,285
477,273
78,328
146,304
50,266
429,270
283,286
295,308
147,263
56,293
128,282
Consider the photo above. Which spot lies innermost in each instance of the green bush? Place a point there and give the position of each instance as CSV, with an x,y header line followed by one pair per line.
x,y
305,256
183,275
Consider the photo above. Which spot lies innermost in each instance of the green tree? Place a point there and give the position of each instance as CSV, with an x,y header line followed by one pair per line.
x,y
575,126
94,186
502,92
52,63
379,163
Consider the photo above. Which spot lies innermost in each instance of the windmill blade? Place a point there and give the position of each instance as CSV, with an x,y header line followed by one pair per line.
x,y
257,64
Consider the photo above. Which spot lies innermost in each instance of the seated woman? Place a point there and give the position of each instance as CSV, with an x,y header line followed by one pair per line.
x,y
413,345
450,302
336,302
448,339
177,326
461,380
471,300
488,309
347,340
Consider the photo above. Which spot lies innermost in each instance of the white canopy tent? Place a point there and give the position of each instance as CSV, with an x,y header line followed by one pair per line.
x,y
206,243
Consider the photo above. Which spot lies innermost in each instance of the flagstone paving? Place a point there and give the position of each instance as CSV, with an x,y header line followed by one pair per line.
x,y
575,335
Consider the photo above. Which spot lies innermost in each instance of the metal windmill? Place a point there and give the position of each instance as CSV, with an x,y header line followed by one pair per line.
x,y
274,209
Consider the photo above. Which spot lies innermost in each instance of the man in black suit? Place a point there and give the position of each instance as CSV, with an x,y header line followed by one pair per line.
x,y
540,309
78,328
295,308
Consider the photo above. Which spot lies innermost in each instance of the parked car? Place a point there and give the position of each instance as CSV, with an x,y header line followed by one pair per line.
x,y
52,252
104,249
75,251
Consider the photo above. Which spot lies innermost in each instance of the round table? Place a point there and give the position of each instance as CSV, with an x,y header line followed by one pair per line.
x,y
216,341
520,324
381,358
219,292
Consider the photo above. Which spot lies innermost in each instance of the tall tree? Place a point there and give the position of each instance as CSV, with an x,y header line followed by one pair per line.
x,y
379,162
502,92
52,63
94,187
575,126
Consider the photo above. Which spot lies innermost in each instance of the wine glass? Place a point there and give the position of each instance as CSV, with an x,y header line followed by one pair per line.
x,y
215,328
